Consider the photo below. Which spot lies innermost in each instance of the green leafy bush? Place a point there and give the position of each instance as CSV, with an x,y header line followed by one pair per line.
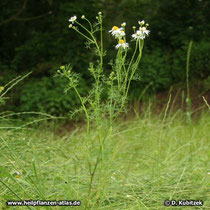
x,y
199,61
154,73
46,95
206,84
40,36
155,69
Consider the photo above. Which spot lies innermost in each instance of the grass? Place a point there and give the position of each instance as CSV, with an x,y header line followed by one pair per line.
x,y
146,160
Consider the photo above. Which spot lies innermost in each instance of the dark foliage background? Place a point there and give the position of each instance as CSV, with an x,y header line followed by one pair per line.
x,y
35,37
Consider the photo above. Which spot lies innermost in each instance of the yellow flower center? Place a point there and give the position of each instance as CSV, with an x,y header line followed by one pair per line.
x,y
114,28
121,41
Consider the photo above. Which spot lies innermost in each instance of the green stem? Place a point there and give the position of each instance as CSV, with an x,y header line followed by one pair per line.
x,y
91,27
91,34
136,66
84,108
123,60
110,106
131,61
187,82
118,66
100,52
101,30
138,45
83,35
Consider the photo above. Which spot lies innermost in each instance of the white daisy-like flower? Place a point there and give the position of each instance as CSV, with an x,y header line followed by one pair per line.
x,y
144,30
141,33
138,35
122,43
117,32
141,22
72,19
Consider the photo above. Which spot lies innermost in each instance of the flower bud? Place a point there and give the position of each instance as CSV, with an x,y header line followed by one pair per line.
x,y
70,26
1,88
123,24
83,17
112,74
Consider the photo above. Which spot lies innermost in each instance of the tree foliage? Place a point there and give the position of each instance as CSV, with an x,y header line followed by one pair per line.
x,y
35,37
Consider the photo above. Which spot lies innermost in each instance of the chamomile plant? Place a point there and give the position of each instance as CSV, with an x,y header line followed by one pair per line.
x,y
100,115
117,84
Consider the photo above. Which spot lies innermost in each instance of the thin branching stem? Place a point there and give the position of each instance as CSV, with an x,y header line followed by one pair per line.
x,y
84,108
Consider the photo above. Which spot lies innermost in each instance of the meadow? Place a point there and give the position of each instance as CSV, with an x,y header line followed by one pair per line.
x,y
147,159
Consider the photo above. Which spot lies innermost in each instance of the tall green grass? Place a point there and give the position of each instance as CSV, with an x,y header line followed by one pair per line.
x,y
188,100
147,160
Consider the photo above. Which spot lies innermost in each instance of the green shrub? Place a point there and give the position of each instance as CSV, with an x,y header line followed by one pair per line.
x,y
206,84
154,73
46,95
155,69
199,61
